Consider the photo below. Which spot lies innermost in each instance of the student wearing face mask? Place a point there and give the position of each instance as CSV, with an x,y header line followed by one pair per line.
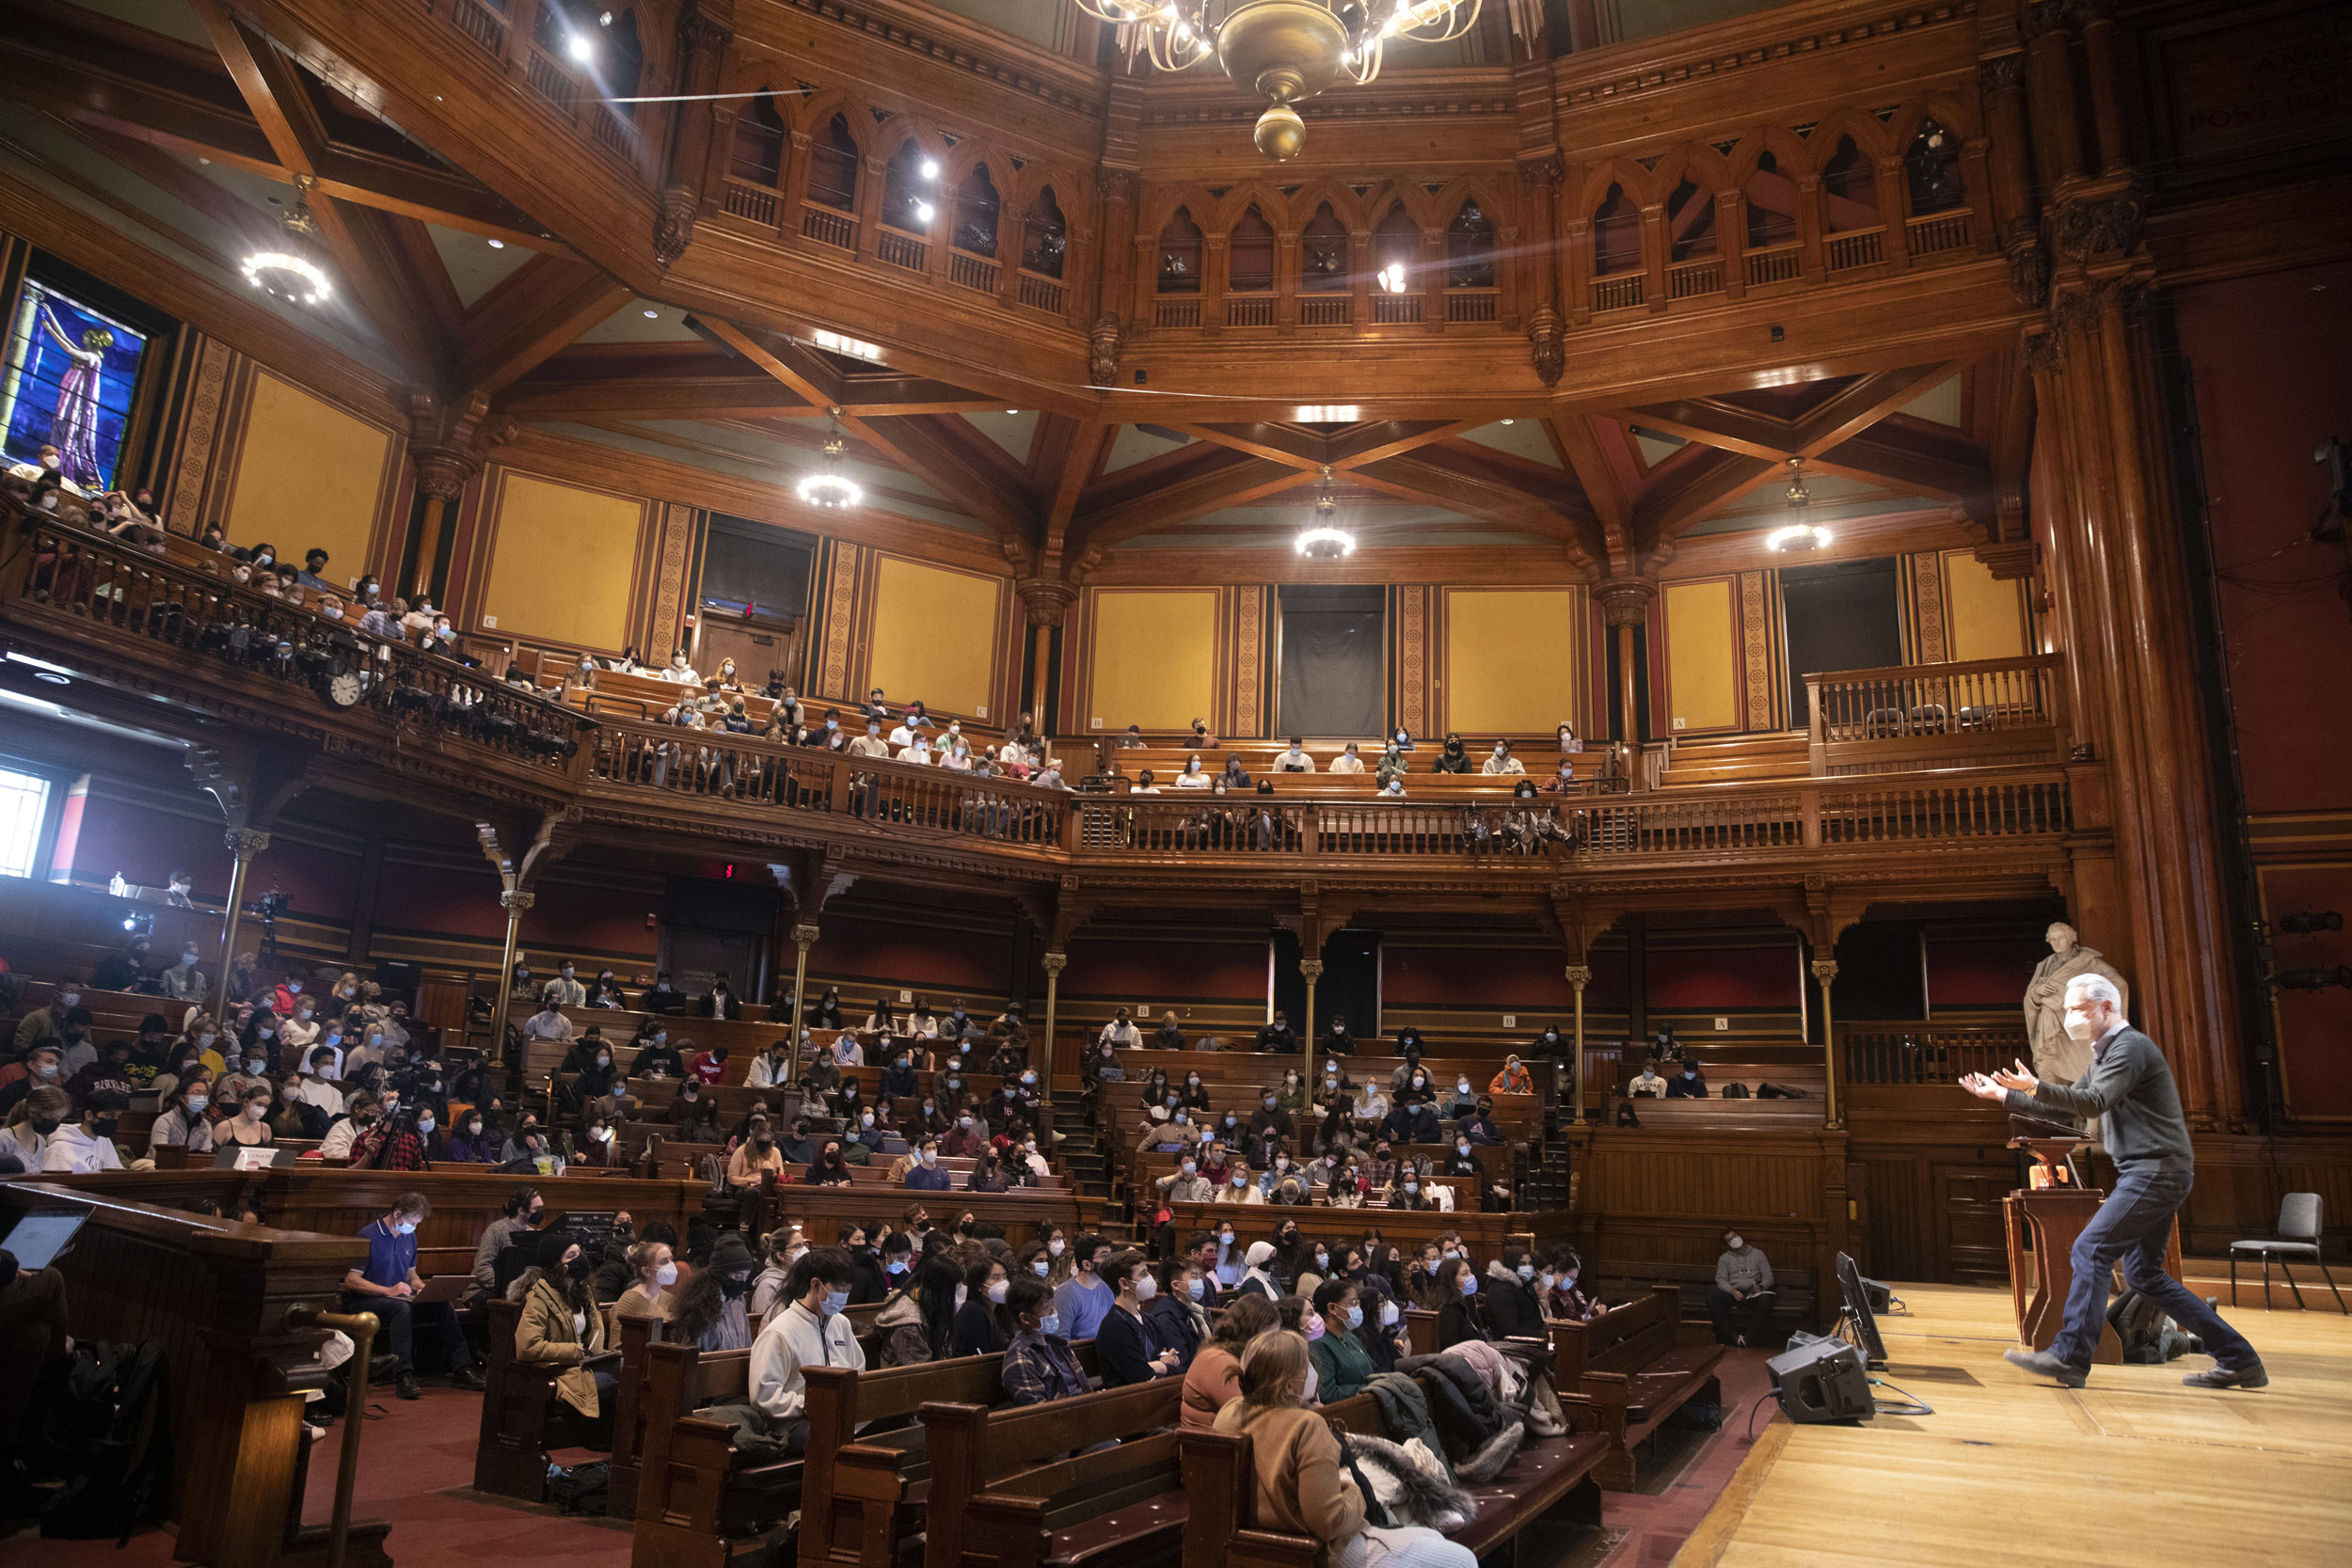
x,y
810,1332
1177,1317
1342,1365
386,1287
984,1325
250,1128
183,1123
562,1325
395,1143
926,1174
1085,1298
1303,1488
33,1125
757,1154
1463,1314
918,1322
469,1139
1689,1083
712,1312
652,1270
1452,757
1122,1346
1564,1296
1515,1308
1039,1364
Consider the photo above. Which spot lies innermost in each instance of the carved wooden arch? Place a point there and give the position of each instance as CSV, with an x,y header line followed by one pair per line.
x,y
899,126
1495,198
1696,162
1616,171
1271,203
1419,205
1950,113
761,74
1786,148
657,51
1868,131
1346,206
817,112
1195,199
954,171
1073,193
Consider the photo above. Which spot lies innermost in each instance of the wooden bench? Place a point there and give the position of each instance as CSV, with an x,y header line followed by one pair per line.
x,y
523,1414
1547,1476
1624,1369
698,1503
862,1499
638,1335
1035,1487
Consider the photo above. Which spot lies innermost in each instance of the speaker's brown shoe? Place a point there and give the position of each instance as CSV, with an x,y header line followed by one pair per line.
x,y
2042,1364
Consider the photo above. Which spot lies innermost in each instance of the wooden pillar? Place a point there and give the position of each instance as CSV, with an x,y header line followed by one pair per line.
x,y
244,844
703,34
2050,87
1894,210
1054,963
1312,969
1825,971
2107,115
1580,976
514,901
1625,606
363,901
804,938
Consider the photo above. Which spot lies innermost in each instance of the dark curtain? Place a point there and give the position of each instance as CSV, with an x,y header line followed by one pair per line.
x,y
1334,661
1350,983
1838,617
748,564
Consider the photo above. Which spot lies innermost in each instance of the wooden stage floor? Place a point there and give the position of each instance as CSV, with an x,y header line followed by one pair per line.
x,y
2134,1471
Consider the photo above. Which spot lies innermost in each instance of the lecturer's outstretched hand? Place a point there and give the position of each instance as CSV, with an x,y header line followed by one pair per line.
x,y
1993,1086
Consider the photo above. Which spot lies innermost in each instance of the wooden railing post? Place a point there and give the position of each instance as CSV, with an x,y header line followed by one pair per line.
x,y
1817,747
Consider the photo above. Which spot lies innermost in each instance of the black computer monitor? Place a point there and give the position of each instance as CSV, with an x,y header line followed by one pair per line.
x,y
1858,1313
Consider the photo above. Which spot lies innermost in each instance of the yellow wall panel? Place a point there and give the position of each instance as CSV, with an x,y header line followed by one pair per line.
x,y
1703,670
310,477
1154,659
1514,659
563,562
935,636
1988,616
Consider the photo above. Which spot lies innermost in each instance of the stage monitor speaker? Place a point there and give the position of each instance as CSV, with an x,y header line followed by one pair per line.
x,y
1823,1380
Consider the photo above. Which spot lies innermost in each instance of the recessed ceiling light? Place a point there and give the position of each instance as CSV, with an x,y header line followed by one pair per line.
x,y
497,244
1510,421
653,315
581,47
1012,410
930,168
52,678
1328,412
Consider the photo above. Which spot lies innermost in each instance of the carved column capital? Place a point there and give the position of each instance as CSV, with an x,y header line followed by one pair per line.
x,y
1580,976
1043,600
1117,184
1825,969
443,472
1054,963
2002,73
2110,220
1545,169
1625,601
805,934
1310,968
516,900
246,843
1103,342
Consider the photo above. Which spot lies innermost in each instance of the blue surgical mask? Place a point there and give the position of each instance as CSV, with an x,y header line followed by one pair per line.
x,y
1042,1267
1356,1317
836,1303
407,1228
1050,1323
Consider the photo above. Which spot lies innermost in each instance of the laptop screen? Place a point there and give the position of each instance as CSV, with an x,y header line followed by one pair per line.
x,y
38,1239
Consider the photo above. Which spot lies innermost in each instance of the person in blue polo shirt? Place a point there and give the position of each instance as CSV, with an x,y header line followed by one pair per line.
x,y
388,1286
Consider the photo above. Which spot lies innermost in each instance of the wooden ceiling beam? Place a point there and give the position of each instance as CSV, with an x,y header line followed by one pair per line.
x,y
1864,404
1907,462
649,397
1238,483
1596,470
534,311
1668,510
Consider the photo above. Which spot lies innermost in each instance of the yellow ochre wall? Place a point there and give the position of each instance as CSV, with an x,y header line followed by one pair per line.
x,y
1514,661
1153,658
1702,661
935,635
309,477
563,562
1987,616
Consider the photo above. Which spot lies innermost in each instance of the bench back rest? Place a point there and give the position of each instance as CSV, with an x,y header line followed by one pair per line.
x,y
679,1379
1625,1339
841,1398
637,1338
975,1450
1220,1477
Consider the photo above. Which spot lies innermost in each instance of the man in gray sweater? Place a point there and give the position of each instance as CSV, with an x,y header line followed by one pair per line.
x,y
2129,1083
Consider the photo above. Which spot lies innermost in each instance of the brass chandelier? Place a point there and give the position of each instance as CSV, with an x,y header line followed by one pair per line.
x,y
1281,50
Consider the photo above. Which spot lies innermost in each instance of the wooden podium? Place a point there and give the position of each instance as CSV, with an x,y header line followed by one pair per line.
x,y
2052,1218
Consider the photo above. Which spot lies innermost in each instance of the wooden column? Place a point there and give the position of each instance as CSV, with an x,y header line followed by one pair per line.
x,y
1054,963
514,901
804,938
548,845
1313,970
1825,971
1625,606
244,844
1580,976
1894,210
703,34
2050,88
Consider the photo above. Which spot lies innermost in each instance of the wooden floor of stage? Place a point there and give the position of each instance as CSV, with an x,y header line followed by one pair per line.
x,y
2132,1470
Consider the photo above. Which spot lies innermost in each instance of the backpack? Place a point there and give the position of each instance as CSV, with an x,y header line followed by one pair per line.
x,y
580,1488
2150,1337
98,1420
1735,1091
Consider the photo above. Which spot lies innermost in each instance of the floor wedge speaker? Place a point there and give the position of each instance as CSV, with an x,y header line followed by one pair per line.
x,y
1823,1380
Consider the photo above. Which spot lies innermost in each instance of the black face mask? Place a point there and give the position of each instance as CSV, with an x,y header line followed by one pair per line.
x,y
104,1126
735,1285
579,1267
45,1125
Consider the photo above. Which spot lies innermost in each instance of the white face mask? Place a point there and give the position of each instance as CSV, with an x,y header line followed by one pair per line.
x,y
1308,1393
1146,1287
1389,1314
996,1291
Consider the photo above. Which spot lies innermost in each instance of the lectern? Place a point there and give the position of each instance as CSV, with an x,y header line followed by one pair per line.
x,y
2050,1213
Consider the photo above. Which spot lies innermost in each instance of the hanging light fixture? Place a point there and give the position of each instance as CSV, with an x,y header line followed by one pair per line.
x,y
1797,533
1281,50
287,273
829,487
1322,542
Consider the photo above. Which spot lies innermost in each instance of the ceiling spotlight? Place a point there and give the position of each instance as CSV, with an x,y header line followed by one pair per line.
x,y
653,315
1013,411
925,211
581,47
1510,421
497,244
1392,277
833,342
1322,542
53,677
829,487
930,168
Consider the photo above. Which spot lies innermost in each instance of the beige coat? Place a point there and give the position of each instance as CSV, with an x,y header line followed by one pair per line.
x,y
1301,1488
545,1334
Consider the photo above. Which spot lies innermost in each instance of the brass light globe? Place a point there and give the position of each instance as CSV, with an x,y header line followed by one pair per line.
x,y
1284,51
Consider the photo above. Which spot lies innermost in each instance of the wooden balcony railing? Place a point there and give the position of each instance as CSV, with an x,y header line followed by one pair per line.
x,y
828,227
1178,311
1984,712
968,271
1251,309
1689,279
745,199
1325,309
1779,264
1471,305
1621,293
1938,232
1039,293
1395,310
1856,247
895,248
479,22
177,620
1923,1054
